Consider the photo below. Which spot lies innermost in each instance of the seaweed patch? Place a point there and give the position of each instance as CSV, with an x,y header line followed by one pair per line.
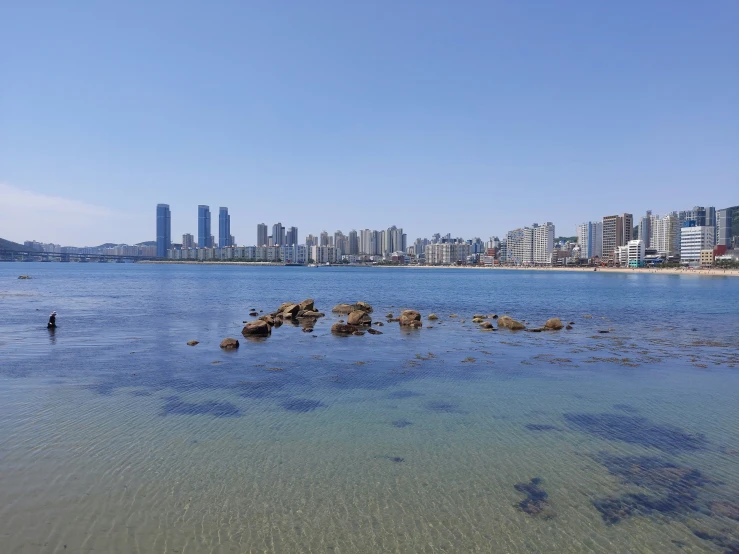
x,y
536,502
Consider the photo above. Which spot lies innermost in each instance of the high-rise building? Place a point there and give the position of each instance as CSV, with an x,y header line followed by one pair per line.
x,y
310,240
447,253
616,232
323,238
291,237
164,230
353,242
645,225
520,246
664,233
727,223
543,243
204,235
635,253
224,228
590,239
693,239
262,235
188,241
278,234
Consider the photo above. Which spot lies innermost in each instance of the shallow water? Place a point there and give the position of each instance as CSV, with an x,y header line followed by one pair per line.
x,y
115,436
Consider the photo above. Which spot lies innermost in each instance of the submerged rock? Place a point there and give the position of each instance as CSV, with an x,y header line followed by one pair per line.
x,y
374,332
312,313
257,328
506,322
569,327
410,318
343,329
553,324
192,343
726,509
487,325
433,317
477,319
535,503
359,317
229,343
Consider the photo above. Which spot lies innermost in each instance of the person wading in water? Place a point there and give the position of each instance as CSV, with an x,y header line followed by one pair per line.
x,y
52,321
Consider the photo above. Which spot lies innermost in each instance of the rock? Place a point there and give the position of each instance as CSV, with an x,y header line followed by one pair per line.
x,y
378,323
342,329
374,331
569,327
359,317
410,318
313,314
24,277
453,315
229,343
343,309
534,330
192,342
257,328
493,316
553,324
433,317
486,325
268,319
571,323
389,315
364,306
290,311
479,316
253,313
505,322
358,333
307,305
477,319
283,306
307,329
605,331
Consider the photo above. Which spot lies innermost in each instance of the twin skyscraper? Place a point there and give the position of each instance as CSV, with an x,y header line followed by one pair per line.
x,y
205,239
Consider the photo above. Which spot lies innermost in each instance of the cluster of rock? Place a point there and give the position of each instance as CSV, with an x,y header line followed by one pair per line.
x,y
302,313
507,322
358,319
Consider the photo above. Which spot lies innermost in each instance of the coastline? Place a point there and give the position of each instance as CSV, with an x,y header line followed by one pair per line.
x,y
712,272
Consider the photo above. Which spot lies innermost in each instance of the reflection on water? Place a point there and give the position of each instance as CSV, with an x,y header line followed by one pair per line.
x,y
122,438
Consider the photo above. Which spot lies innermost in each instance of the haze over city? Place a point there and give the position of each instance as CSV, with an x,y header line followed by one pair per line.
x,y
430,116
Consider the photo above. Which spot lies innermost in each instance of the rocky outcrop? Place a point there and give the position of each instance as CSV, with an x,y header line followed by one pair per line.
x,y
343,308
192,343
257,328
410,318
229,343
479,316
307,305
553,324
290,311
270,320
487,325
374,332
433,317
359,317
477,319
311,314
343,329
283,306
506,322
364,306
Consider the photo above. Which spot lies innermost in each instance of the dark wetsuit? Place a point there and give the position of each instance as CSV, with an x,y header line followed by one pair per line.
x,y
52,322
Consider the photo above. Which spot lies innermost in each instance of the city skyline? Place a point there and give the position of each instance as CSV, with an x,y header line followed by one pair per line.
x,y
529,113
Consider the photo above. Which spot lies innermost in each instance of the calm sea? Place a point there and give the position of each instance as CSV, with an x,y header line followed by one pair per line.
x,y
116,436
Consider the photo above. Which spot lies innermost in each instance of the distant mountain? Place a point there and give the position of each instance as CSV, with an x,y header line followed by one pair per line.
x,y
10,245
146,243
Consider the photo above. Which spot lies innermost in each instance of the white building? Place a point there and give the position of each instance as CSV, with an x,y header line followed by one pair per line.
x,y
664,233
693,240
543,243
447,253
323,254
635,253
520,246
590,239
621,256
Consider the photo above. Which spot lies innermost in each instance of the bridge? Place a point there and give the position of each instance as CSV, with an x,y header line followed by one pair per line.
x,y
26,255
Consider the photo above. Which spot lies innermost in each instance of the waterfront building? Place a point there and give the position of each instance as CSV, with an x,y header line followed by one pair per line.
x,y
645,225
353,243
520,246
188,241
262,235
543,243
727,223
204,235
323,254
278,234
447,253
164,230
707,258
636,250
590,239
224,228
664,235
616,232
294,254
693,239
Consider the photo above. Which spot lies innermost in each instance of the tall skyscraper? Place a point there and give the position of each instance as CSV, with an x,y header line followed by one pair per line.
x,y
262,235
616,232
204,227
164,230
645,224
353,242
324,238
224,228
543,243
520,246
727,221
278,234
664,235
590,239
291,236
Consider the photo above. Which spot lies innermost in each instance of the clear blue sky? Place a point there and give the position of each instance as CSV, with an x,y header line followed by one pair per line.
x,y
464,117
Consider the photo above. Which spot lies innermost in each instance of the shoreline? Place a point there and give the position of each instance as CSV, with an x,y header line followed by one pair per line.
x,y
712,272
